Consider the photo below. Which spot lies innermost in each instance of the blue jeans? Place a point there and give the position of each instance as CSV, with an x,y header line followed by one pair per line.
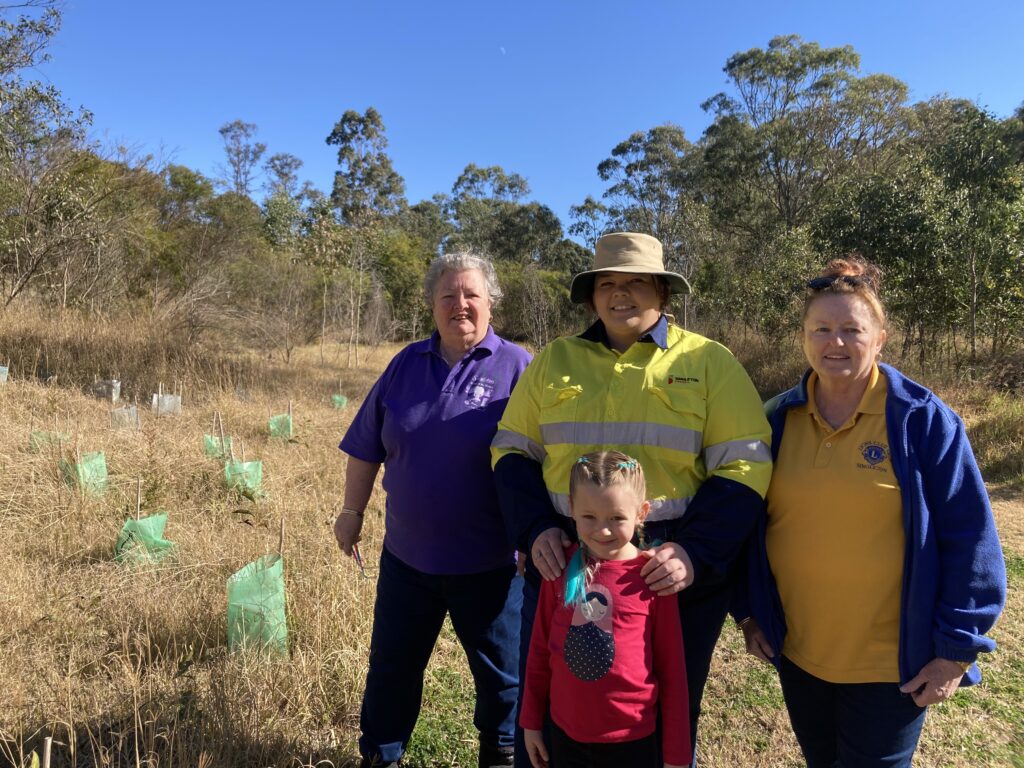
x,y
407,619
531,594
850,725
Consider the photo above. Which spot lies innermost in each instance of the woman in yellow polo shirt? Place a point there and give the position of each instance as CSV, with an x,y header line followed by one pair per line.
x,y
878,570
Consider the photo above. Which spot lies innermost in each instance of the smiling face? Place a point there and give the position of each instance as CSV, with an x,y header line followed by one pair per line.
x,y
628,303
462,309
606,517
842,338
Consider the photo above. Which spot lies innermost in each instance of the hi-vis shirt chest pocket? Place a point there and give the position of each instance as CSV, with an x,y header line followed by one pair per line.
x,y
558,411
678,403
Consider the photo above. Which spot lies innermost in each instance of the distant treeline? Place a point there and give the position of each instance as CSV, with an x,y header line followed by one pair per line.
x,y
805,159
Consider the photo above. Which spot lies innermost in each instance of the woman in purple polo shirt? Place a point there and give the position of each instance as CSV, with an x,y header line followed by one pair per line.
x,y
429,420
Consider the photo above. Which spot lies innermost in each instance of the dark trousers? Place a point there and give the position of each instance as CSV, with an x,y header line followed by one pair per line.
x,y
702,613
531,594
407,619
566,753
850,725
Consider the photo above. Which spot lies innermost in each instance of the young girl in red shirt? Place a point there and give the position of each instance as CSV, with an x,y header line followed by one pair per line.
x,y
606,654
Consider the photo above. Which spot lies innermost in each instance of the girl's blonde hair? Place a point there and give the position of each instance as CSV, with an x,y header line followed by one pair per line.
x,y
605,468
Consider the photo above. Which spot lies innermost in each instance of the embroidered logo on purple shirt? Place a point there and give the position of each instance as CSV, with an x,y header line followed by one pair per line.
x,y
480,390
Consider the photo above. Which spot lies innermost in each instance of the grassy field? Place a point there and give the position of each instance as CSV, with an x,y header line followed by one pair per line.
x,y
128,666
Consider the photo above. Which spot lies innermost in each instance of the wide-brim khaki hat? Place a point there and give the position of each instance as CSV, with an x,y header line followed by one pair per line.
x,y
625,252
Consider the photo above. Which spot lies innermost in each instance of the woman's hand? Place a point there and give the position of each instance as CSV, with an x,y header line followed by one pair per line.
x,y
757,643
535,748
346,530
668,569
548,553
937,681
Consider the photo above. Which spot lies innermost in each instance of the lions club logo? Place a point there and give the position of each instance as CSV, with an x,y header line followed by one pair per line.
x,y
874,453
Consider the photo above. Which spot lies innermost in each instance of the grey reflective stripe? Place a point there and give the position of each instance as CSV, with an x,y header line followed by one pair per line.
x,y
503,438
718,455
667,509
622,433
561,502
661,509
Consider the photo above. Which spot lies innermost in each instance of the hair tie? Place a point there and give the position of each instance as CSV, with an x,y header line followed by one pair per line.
x,y
631,464
582,460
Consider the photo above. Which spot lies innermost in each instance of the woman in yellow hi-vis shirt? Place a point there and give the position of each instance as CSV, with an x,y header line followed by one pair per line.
x,y
880,570
678,402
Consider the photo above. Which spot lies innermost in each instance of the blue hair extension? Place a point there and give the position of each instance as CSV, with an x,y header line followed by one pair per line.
x,y
576,579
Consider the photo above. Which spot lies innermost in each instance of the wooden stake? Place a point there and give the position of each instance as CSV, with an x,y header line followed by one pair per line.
x,y
242,446
138,498
220,426
280,540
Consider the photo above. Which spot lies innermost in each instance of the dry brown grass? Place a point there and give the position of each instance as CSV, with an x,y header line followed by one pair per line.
x,y
129,666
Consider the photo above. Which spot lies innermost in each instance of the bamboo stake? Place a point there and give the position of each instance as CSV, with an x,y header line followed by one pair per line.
x,y
280,540
290,422
47,746
138,498
220,425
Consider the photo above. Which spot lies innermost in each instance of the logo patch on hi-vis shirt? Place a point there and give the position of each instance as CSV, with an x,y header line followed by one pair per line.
x,y
874,454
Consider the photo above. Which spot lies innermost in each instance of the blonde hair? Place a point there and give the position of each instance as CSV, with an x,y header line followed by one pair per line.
x,y
606,468
851,275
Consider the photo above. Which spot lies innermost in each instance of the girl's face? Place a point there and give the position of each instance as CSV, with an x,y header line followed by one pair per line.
x,y
606,517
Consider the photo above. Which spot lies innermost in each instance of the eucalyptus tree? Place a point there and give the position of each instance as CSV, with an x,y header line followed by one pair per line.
x,y
242,153
799,118
365,184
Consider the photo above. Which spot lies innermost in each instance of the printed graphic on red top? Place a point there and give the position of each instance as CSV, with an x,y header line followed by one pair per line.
x,y
589,643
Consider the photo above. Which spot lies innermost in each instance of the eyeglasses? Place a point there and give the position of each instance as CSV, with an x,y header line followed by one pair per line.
x,y
821,283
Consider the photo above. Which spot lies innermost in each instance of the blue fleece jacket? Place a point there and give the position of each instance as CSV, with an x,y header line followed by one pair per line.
x,y
954,578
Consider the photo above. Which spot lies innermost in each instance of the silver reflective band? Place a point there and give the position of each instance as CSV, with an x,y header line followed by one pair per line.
x,y
506,439
718,455
661,509
622,433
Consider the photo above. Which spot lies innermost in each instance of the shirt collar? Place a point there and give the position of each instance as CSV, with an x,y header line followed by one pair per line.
x,y
489,344
658,333
872,401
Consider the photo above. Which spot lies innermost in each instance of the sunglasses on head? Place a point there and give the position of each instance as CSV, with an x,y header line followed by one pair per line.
x,y
821,283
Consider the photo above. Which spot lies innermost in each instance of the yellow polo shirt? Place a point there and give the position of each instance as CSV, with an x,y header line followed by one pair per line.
x,y
836,541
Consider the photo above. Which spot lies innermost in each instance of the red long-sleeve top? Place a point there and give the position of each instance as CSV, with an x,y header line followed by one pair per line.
x,y
604,667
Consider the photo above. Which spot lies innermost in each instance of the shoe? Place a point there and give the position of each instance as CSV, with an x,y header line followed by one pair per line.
x,y
496,757
376,762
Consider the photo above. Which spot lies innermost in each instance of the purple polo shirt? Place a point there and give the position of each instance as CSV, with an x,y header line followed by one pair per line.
x,y
431,427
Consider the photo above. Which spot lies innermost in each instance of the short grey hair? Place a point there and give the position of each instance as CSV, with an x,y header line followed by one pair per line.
x,y
460,262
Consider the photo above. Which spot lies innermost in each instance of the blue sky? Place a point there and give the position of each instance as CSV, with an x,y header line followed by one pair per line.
x,y
545,89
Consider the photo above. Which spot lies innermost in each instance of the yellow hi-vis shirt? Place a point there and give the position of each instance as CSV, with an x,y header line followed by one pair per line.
x,y
835,541
685,412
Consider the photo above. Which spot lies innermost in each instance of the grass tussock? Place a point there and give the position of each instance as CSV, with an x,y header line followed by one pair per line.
x,y
128,666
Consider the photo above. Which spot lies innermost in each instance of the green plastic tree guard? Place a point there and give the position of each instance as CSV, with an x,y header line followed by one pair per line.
x,y
89,474
245,476
142,541
212,447
256,607
280,425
